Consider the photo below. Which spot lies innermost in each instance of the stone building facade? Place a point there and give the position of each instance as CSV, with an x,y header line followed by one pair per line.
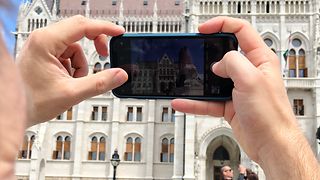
x,y
154,141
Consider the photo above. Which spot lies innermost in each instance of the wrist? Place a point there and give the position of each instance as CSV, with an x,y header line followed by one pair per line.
x,y
289,155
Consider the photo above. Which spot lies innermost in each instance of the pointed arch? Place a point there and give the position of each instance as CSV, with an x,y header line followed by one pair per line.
x,y
275,39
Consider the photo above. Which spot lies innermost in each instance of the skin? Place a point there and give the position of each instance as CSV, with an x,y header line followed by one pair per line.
x,y
260,113
58,79
227,172
13,114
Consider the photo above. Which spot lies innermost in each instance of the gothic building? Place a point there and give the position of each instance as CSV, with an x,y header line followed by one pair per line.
x,y
154,141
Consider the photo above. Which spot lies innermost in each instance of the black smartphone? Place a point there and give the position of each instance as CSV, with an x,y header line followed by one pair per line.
x,y
167,66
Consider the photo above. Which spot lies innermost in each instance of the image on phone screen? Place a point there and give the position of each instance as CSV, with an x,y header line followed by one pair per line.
x,y
170,67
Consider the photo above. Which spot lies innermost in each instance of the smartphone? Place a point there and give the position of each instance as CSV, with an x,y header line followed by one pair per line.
x,y
168,66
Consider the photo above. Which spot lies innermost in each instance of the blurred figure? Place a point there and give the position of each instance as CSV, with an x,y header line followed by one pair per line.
x,y
226,173
245,173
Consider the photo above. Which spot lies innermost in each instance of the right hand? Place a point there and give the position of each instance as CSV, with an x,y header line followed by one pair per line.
x,y
259,113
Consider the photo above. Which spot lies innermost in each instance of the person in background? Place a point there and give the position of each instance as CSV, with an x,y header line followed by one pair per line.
x,y
226,173
245,173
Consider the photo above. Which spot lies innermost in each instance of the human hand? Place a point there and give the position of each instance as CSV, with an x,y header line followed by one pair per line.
x,y
54,67
242,169
260,114
13,113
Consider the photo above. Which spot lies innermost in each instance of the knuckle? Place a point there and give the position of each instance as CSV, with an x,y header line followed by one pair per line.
x,y
36,37
80,19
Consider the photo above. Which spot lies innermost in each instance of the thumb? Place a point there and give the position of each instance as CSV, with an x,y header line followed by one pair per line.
x,y
236,66
93,85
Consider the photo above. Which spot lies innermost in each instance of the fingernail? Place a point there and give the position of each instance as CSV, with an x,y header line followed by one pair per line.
x,y
213,66
120,77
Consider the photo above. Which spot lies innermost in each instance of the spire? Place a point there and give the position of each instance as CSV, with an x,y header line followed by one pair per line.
x,y
54,8
121,10
87,3
155,9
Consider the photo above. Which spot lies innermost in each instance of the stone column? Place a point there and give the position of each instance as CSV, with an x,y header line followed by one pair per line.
x,y
77,140
178,150
38,153
150,139
114,143
189,148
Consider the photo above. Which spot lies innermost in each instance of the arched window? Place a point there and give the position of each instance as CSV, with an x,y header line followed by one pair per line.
x,y
297,59
97,68
171,150
98,148
133,148
302,64
221,154
94,147
129,150
137,149
164,150
102,149
67,143
106,65
167,150
62,150
26,149
292,63
268,42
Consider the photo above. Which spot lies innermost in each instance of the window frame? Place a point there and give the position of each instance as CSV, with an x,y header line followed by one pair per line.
x,y
133,149
65,142
95,153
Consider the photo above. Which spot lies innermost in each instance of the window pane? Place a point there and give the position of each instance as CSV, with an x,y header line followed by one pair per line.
x,y
173,117
94,155
137,156
69,114
94,115
165,115
106,66
102,156
139,114
296,42
24,154
59,117
130,114
301,72
129,156
171,157
59,155
292,73
97,68
164,157
268,42
104,114
66,155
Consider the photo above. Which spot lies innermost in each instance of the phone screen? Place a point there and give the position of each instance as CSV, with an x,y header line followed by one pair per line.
x,y
172,65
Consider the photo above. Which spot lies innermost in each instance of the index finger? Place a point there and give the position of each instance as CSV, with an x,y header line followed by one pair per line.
x,y
75,28
248,38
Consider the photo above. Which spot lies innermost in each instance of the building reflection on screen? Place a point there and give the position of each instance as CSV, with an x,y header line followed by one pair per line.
x,y
165,77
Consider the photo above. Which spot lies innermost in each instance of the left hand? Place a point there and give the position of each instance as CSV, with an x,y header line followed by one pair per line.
x,y
54,67
13,114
